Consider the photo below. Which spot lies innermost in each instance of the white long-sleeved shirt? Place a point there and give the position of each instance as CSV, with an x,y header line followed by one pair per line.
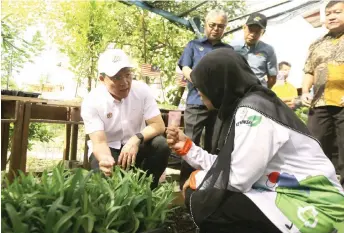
x,y
285,173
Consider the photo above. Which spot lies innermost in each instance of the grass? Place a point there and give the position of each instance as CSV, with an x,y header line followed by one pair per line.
x,y
38,165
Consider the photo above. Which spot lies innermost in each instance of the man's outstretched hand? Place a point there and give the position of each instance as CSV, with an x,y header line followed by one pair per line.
x,y
106,164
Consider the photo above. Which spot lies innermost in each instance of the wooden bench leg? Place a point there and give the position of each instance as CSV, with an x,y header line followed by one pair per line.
x,y
5,136
74,142
16,149
66,150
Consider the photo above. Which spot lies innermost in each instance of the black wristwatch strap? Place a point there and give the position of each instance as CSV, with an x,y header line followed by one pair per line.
x,y
140,136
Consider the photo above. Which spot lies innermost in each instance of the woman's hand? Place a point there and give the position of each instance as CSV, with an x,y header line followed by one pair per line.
x,y
175,138
185,186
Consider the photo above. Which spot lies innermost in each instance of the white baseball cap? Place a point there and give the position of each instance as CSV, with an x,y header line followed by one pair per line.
x,y
112,61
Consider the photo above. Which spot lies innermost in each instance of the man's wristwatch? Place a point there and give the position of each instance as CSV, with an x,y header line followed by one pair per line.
x,y
140,136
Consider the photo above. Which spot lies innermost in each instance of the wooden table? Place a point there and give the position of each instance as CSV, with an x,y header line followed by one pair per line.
x,y
23,110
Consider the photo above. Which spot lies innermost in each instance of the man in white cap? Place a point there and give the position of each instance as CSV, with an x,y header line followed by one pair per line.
x,y
123,120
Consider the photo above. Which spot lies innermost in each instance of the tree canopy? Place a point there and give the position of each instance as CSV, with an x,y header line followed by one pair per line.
x,y
84,29
17,16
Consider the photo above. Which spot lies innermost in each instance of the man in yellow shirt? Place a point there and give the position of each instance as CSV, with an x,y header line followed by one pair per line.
x,y
324,70
283,89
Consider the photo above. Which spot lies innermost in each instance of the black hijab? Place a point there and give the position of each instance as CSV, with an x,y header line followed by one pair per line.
x,y
225,77
227,80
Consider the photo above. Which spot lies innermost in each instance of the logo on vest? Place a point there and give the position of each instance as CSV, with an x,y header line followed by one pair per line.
x,y
116,59
109,115
251,121
257,19
308,215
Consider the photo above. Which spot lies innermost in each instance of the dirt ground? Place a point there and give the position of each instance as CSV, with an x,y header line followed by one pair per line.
x,y
181,222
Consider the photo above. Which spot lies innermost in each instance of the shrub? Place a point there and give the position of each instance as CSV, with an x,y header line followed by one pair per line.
x,y
302,113
80,201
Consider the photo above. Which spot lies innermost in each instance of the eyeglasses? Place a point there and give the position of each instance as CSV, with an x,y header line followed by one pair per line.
x,y
219,26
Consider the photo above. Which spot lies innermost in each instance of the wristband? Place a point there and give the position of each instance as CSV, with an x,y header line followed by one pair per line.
x,y
186,148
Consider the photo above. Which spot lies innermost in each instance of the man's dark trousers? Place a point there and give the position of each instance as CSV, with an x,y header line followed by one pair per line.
x,y
327,123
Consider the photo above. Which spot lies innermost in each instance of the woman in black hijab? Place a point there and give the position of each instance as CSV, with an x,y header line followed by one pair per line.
x,y
270,175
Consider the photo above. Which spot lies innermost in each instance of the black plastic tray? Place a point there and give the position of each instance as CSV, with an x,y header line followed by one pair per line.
x,y
20,93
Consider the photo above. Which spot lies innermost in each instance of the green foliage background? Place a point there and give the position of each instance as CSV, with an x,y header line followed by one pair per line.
x,y
83,29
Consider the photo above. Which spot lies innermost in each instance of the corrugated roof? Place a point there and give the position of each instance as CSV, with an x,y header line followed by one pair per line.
x,y
276,13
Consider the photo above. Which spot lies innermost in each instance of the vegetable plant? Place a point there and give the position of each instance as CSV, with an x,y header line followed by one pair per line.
x,y
81,201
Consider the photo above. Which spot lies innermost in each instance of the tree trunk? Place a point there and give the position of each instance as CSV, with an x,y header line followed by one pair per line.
x,y
92,72
144,37
178,97
89,84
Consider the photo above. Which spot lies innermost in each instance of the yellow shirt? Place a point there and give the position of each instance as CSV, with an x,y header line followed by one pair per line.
x,y
326,63
285,91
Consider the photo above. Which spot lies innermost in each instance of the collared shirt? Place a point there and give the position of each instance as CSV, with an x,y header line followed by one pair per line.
x,y
261,58
326,63
120,120
284,90
192,54
285,173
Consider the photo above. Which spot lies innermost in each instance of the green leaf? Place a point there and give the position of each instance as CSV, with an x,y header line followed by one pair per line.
x,y
87,223
17,224
51,219
255,120
76,178
339,227
112,215
66,217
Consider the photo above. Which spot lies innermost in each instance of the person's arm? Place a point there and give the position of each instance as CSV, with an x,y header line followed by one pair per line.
x,y
152,116
257,139
199,159
186,61
271,68
154,126
101,149
308,80
194,155
186,72
307,83
94,127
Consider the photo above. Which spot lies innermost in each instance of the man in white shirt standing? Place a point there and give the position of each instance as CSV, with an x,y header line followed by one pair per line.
x,y
123,120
